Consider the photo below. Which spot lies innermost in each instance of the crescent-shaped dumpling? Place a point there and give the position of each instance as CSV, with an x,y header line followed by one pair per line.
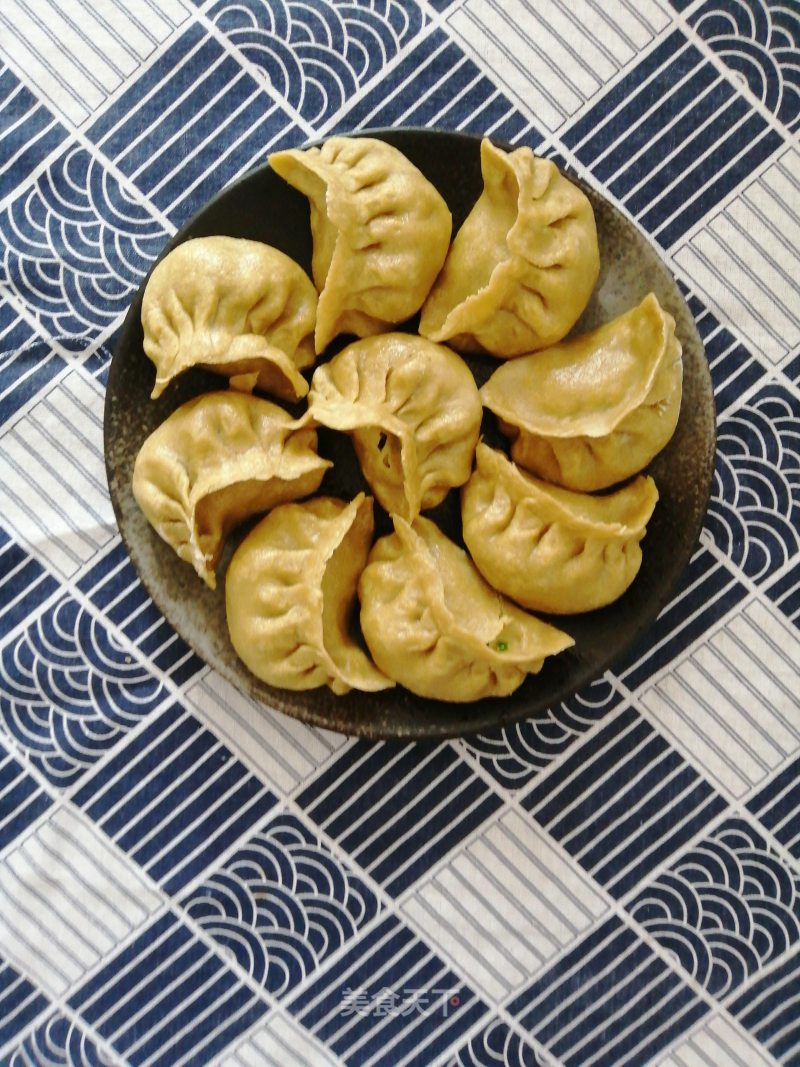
x,y
412,410
237,307
217,460
551,549
290,594
594,410
381,232
523,265
437,627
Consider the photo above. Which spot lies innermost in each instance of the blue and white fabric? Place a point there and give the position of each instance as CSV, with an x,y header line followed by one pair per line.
x,y
187,879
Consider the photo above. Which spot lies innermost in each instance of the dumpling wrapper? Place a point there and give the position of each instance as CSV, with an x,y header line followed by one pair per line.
x,y
214,462
437,627
290,594
523,265
413,411
594,410
237,307
381,232
551,549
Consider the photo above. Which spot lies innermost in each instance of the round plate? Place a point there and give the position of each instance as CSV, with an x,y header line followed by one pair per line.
x,y
263,207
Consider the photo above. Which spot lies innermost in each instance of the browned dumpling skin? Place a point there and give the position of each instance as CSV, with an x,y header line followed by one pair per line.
x,y
290,594
381,232
523,265
552,549
214,462
592,411
437,627
413,411
237,307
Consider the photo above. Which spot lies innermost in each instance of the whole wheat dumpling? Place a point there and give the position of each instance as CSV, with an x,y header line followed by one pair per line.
x,y
237,307
552,549
381,232
523,265
413,411
214,462
594,410
290,595
437,627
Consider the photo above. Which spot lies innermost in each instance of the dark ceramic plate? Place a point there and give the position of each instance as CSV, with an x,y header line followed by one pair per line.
x,y
261,206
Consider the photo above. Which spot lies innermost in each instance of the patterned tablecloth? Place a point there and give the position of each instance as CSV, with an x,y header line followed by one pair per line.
x,y
184,878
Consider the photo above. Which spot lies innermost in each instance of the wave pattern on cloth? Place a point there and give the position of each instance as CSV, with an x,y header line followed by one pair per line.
x,y
316,55
77,245
726,909
187,877
69,691
759,40
282,904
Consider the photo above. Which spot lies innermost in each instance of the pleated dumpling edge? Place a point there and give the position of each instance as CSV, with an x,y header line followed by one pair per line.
x,y
522,266
380,229
438,628
240,308
592,411
552,549
214,462
290,592
412,410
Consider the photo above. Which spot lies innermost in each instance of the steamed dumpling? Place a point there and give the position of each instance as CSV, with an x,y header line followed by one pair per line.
x,y
433,624
592,411
290,593
522,267
413,411
381,232
237,307
551,549
214,462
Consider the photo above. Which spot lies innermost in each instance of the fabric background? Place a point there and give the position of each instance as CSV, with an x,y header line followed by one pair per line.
x,y
184,878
